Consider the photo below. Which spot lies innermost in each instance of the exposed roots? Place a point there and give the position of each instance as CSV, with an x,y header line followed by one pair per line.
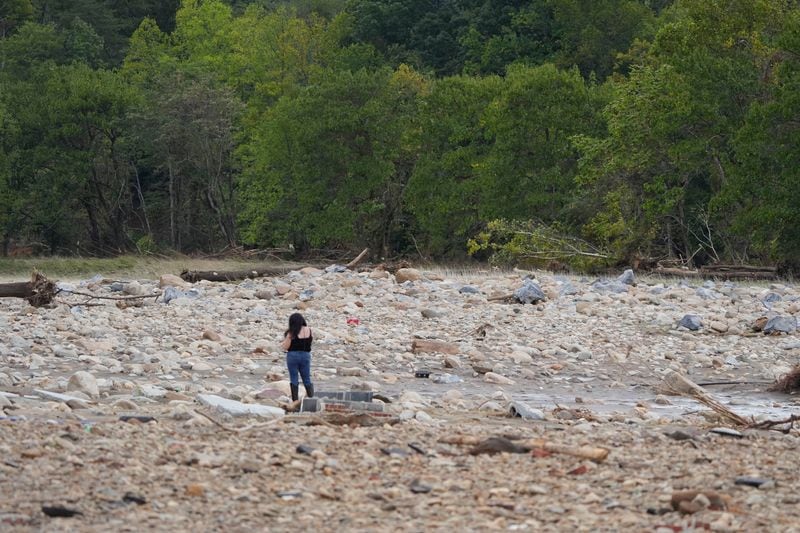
x,y
788,383
42,290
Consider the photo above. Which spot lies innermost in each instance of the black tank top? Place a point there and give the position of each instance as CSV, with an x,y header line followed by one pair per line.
x,y
301,345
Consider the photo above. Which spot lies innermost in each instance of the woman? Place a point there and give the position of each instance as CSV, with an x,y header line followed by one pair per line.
x,y
297,343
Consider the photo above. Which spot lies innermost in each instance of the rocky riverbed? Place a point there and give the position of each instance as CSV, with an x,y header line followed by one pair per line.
x,y
106,414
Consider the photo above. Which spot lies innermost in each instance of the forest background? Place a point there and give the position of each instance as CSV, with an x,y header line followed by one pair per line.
x,y
587,133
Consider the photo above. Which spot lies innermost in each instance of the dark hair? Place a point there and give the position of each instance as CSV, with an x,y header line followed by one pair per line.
x,y
296,323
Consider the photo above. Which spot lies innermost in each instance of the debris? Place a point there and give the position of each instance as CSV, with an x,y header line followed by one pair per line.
x,y
751,481
304,449
727,432
692,501
60,511
39,291
144,419
419,488
494,445
236,408
675,383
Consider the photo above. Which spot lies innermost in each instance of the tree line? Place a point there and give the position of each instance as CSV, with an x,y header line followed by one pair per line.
x,y
588,132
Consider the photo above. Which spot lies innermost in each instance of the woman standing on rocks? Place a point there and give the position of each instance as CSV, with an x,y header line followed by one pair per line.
x,y
297,343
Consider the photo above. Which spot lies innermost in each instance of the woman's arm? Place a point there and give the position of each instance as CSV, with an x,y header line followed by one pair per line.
x,y
286,343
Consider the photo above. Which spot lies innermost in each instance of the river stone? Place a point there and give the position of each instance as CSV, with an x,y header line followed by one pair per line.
x,y
451,362
627,278
154,392
525,411
706,293
492,377
469,289
407,274
521,358
691,322
781,324
772,297
529,293
210,334
171,280
234,408
431,313
84,382
134,288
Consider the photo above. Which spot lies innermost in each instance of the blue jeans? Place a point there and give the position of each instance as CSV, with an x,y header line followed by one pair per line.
x,y
299,362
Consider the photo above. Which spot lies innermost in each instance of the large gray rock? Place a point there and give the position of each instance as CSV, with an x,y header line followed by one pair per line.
x,y
234,408
529,293
525,411
627,278
84,382
609,286
691,322
781,324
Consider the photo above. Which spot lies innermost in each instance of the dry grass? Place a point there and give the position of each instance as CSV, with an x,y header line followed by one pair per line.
x,y
123,267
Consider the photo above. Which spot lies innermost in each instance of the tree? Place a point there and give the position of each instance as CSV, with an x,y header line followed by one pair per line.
x,y
758,202
69,172
671,126
12,14
185,136
329,165
445,193
530,168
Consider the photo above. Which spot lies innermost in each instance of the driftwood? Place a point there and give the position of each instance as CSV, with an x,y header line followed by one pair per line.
x,y
358,258
38,291
193,276
675,383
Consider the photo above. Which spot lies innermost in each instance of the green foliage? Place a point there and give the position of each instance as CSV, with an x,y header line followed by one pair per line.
x,y
534,244
646,127
329,165
763,190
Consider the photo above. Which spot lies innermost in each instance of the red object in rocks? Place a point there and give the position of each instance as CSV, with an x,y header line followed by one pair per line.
x,y
352,321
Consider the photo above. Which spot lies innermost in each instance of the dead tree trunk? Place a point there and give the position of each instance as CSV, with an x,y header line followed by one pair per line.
x,y
38,291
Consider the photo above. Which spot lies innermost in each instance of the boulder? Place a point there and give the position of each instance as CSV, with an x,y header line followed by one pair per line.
x,y
84,382
407,274
691,322
529,293
781,324
627,278
171,280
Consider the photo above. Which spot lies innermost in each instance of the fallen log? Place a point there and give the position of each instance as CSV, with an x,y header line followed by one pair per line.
x,y
38,291
193,276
